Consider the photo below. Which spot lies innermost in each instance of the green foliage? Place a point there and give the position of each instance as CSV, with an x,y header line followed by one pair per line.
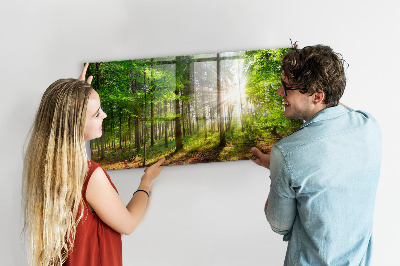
x,y
264,74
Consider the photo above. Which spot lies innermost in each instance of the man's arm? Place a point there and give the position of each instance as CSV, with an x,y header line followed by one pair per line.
x,y
280,208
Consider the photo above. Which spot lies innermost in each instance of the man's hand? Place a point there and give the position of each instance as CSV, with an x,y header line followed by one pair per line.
x,y
266,206
262,159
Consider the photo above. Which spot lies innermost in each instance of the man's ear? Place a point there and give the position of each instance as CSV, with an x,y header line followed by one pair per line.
x,y
318,97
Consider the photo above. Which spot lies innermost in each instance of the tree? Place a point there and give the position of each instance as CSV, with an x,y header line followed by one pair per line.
x,y
220,106
182,83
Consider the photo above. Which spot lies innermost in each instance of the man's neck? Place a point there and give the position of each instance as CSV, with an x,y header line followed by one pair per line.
x,y
318,108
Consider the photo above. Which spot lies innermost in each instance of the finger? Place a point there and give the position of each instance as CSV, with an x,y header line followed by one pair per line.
x,y
256,152
89,80
160,162
257,161
83,74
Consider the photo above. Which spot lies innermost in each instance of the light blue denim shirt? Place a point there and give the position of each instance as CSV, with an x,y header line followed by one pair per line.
x,y
323,183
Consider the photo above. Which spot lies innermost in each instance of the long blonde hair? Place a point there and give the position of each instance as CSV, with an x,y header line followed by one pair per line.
x,y
55,167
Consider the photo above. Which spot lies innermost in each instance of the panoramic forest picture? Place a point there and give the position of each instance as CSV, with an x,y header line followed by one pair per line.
x,y
189,109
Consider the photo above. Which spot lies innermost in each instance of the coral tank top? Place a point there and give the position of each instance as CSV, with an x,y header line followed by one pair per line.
x,y
95,242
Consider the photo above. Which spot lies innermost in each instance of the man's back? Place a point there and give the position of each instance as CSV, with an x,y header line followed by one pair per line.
x,y
326,174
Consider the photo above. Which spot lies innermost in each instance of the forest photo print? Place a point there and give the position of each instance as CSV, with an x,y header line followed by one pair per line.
x,y
189,109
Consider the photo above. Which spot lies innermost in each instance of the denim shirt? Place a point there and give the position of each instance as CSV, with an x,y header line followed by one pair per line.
x,y
323,183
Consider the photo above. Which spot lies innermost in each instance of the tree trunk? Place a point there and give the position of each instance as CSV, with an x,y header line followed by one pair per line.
x,y
137,133
151,91
222,141
144,123
165,126
182,75
178,132
183,118
151,122
129,131
196,106
120,127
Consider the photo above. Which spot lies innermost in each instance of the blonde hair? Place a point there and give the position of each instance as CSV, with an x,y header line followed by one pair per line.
x,y
55,167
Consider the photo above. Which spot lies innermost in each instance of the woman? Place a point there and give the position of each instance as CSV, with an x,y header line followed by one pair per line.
x,y
73,213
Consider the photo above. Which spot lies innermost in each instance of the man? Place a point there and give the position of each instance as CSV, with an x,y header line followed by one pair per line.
x,y
324,175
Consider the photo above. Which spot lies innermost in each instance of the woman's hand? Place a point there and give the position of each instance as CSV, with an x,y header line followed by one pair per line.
x,y
107,204
83,74
153,171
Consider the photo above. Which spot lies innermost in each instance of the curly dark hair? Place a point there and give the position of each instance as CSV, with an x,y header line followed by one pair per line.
x,y
316,69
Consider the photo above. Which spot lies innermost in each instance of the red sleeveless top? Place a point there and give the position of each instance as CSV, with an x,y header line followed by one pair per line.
x,y
95,242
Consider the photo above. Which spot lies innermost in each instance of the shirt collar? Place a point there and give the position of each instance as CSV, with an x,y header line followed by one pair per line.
x,y
326,114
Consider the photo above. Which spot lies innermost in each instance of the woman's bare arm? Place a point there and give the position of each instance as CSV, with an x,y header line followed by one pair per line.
x,y
108,205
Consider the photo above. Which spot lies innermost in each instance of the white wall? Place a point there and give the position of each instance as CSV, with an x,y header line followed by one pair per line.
x,y
209,214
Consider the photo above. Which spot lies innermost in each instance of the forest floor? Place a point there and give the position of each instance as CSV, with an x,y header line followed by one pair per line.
x,y
196,149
